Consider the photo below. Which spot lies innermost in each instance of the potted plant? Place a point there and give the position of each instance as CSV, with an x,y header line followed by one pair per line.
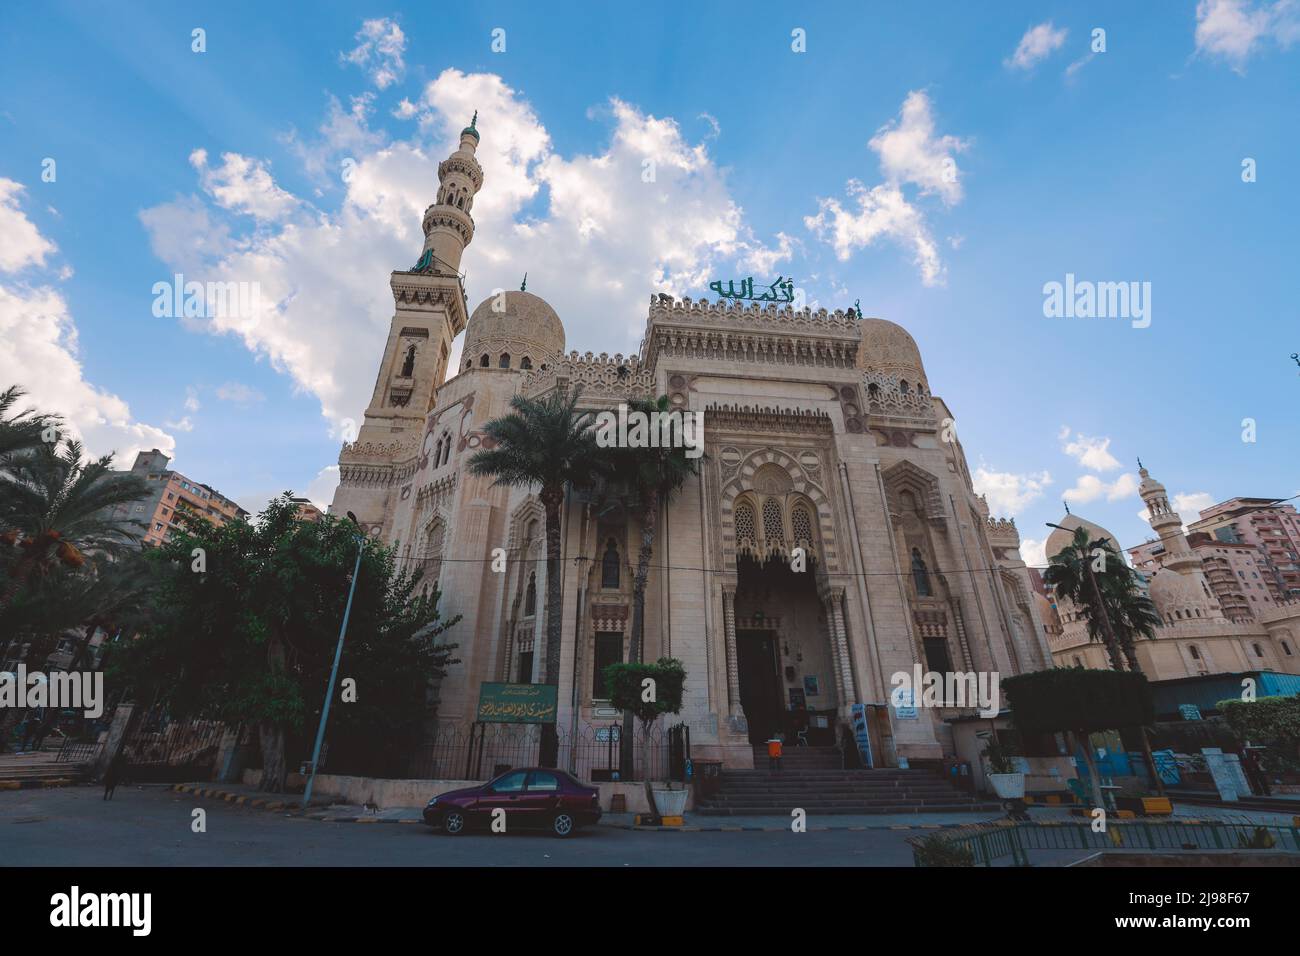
x,y
649,690
1007,782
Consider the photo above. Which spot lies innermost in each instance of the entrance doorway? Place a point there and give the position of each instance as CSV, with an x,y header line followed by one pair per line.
x,y
760,684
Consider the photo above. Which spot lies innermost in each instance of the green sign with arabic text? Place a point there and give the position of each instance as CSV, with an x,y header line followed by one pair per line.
x,y
517,703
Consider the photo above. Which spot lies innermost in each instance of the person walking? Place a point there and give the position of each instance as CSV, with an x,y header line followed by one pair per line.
x,y
774,748
113,775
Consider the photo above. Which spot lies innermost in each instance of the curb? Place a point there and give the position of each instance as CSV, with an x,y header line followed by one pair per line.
x,y
291,809
37,784
784,829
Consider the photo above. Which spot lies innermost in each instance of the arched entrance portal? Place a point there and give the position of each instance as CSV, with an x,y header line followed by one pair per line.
x,y
783,653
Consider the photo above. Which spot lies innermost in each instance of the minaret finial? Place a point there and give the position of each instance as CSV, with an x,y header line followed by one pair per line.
x,y
523,286
1139,462
473,124
1067,506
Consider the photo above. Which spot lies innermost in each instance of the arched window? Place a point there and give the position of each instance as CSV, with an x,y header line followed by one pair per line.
x,y
1178,614
484,362
437,454
801,524
609,566
504,361
1194,651
773,523
1286,648
1259,651
530,595
469,363
920,576
446,449
525,363
432,556
745,522
903,386
408,366
873,391
1077,662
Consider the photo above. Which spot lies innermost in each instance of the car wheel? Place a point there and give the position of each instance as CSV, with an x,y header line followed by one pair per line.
x,y
563,824
453,823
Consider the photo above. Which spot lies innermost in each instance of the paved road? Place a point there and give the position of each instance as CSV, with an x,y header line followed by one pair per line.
x,y
151,827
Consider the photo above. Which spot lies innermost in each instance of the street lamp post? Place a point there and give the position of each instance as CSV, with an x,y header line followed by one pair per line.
x,y
334,671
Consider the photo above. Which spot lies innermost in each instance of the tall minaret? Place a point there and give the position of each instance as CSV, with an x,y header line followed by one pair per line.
x,y
430,311
1168,524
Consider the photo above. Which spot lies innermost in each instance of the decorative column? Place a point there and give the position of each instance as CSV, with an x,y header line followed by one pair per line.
x,y
840,642
729,630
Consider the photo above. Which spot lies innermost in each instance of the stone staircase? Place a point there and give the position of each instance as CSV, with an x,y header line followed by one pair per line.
x,y
812,779
41,766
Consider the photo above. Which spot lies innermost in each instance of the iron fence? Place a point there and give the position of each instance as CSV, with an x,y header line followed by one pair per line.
x,y
78,751
594,753
164,750
987,844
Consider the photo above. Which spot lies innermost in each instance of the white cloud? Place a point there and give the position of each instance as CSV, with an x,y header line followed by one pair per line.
x,y
910,154
321,488
40,348
379,49
192,399
1092,453
237,393
1190,504
1235,29
1089,488
1038,43
21,243
184,425
1009,493
1078,65
243,185
327,272
1033,551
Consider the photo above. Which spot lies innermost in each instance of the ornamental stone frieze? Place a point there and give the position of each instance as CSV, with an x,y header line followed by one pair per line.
x,y
598,375
746,418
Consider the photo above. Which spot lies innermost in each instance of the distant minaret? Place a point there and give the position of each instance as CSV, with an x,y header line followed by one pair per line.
x,y
429,312
1168,524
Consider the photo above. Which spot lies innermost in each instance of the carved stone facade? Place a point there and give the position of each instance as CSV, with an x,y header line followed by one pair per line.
x,y
831,540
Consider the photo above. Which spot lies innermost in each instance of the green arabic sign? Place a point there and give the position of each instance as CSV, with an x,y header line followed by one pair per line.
x,y
782,290
517,703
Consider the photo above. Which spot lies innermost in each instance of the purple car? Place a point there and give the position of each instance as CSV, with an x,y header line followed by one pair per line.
x,y
530,796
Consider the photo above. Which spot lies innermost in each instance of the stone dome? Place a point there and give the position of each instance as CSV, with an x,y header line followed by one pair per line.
x,y
1181,596
519,325
888,348
1058,540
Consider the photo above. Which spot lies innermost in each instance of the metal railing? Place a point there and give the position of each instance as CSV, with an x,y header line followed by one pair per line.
x,y
987,844
595,753
78,751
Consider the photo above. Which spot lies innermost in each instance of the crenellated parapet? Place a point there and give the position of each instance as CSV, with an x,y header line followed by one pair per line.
x,y
602,375
728,331
1002,532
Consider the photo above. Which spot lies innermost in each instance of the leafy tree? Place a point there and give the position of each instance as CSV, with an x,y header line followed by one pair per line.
x,y
1071,573
1269,722
1081,701
245,623
647,690
544,443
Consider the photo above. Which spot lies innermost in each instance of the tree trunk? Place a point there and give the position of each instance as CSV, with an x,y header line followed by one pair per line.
x,y
645,759
636,644
271,736
551,501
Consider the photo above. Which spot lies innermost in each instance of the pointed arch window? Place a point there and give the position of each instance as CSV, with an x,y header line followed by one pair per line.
x,y
485,361
530,595
432,556
745,528
408,365
773,530
609,566
920,575
504,361
801,524
525,363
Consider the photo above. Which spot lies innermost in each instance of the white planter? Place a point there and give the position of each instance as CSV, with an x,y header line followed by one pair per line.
x,y
1008,786
670,803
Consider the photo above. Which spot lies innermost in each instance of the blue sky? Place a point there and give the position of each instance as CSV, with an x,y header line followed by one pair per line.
x,y
940,162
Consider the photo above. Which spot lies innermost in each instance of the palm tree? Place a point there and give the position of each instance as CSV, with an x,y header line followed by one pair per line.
x,y
1070,573
647,478
24,431
1132,614
55,506
547,443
